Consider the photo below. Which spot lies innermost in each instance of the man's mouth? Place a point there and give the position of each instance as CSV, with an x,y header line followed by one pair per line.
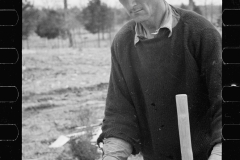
x,y
135,11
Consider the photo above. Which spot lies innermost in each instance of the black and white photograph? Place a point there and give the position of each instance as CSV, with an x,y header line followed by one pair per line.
x,y
121,79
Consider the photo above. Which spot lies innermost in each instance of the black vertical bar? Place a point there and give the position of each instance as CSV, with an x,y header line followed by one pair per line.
x,y
231,46
10,79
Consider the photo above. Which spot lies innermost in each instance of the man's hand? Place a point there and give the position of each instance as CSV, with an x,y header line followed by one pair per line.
x,y
109,158
213,157
216,152
116,149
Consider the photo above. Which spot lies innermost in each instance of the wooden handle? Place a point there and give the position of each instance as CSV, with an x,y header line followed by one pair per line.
x,y
184,127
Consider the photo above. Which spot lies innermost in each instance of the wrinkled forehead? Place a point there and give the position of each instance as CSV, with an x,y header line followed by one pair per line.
x,y
130,2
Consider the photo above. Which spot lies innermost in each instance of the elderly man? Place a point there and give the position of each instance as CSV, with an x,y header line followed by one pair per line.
x,y
163,51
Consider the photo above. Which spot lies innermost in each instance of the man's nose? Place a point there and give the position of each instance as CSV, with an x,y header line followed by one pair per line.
x,y
132,3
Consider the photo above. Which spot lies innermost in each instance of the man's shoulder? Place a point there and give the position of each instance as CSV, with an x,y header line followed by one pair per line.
x,y
123,38
193,19
126,31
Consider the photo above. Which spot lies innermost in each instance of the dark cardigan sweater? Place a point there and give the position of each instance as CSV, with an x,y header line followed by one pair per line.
x,y
141,106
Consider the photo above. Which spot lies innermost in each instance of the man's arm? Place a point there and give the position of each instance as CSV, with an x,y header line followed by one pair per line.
x,y
211,69
120,119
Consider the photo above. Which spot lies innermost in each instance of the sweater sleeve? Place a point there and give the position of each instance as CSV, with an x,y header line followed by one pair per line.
x,y
210,49
120,120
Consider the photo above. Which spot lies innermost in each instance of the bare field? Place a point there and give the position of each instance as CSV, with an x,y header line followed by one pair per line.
x,y
62,89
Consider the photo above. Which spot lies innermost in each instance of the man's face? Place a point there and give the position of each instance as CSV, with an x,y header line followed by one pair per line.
x,y
140,10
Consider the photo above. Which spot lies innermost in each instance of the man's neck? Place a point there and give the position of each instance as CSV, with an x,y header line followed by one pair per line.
x,y
156,20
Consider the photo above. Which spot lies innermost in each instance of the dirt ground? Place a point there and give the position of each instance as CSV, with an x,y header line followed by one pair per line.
x,y
62,89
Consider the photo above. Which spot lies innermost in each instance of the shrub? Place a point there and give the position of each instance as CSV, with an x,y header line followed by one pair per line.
x,y
51,26
80,149
29,19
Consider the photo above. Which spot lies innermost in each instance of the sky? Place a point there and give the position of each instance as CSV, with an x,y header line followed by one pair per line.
x,y
113,3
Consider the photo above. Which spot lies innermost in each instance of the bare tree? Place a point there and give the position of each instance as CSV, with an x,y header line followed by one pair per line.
x,y
191,4
46,4
206,10
98,17
211,11
29,20
67,27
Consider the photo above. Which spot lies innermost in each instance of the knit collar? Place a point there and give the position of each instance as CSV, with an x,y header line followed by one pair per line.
x,y
171,19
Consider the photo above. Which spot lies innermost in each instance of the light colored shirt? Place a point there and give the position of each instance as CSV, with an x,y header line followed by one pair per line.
x,y
170,20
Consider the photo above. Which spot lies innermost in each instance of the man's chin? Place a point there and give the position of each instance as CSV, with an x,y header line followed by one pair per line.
x,y
139,20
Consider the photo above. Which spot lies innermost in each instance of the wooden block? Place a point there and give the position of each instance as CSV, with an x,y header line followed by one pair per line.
x,y
184,127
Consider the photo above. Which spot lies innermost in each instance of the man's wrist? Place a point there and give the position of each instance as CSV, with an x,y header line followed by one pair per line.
x,y
107,157
217,149
116,148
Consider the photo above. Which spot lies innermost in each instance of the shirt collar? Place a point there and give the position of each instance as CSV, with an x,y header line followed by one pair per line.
x,y
171,19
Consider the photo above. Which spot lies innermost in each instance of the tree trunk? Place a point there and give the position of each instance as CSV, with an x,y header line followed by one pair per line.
x,y
98,38
74,38
65,4
80,34
27,43
23,44
80,38
206,10
103,34
69,34
68,30
46,42
190,5
110,35
58,42
211,11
